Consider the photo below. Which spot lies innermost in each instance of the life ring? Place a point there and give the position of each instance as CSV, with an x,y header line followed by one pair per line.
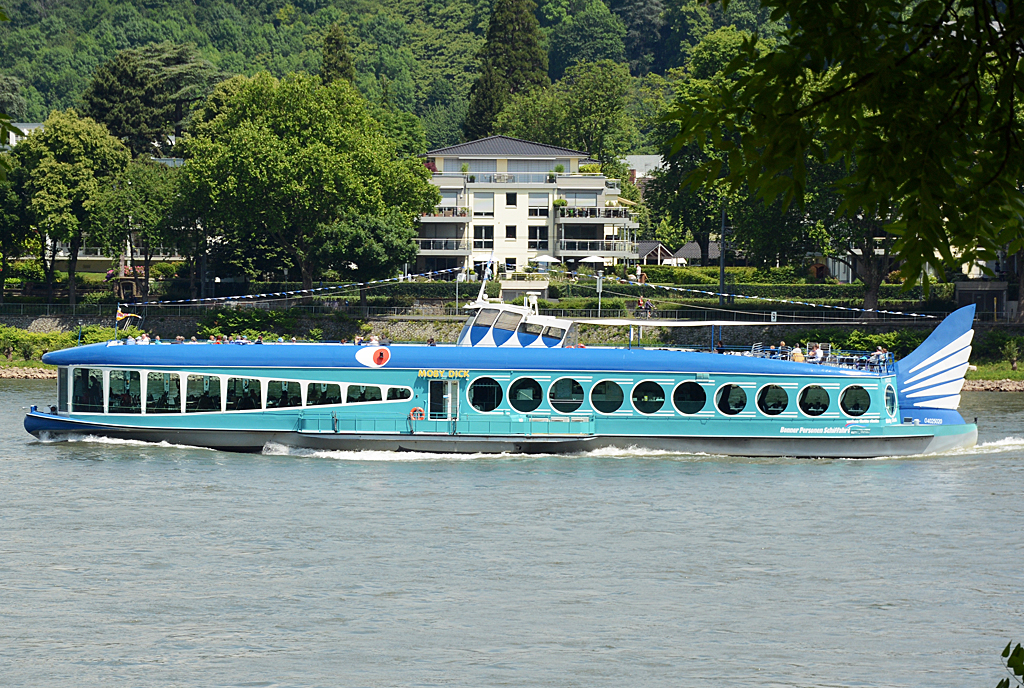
x,y
417,414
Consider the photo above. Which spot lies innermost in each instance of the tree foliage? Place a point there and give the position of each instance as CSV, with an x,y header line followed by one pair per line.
x,y
919,103
590,35
586,110
289,163
337,60
144,94
512,60
62,170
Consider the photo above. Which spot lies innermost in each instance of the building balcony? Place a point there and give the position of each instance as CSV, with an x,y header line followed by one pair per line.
x,y
611,216
576,180
581,248
448,214
443,247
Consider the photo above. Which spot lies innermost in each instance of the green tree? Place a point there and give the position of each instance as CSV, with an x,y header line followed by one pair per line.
x,y
919,103
13,230
134,215
386,67
591,35
62,172
12,103
6,128
643,21
337,60
144,94
586,110
512,60
290,161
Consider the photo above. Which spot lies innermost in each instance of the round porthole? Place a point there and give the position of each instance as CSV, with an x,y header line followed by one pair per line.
x,y
689,398
890,400
855,401
485,394
648,397
814,400
606,397
525,395
566,395
772,400
731,399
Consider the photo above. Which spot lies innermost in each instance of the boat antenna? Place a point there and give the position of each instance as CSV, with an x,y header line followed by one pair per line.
x,y
483,283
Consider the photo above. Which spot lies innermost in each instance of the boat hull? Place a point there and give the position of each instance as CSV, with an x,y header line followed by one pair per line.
x,y
904,440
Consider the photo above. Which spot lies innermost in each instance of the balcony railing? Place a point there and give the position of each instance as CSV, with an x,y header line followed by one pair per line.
x,y
448,211
522,177
597,246
443,244
594,213
159,252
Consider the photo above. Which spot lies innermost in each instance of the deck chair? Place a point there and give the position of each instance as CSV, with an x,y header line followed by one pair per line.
x,y
757,349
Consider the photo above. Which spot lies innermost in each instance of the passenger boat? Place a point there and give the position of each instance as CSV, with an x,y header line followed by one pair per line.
x,y
514,382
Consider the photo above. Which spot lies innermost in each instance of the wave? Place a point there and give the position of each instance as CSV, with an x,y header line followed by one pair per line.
x,y
46,438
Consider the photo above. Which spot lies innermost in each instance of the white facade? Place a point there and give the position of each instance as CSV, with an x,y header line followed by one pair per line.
x,y
502,203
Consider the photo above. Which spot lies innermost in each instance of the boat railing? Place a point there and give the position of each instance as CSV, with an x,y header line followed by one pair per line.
x,y
502,424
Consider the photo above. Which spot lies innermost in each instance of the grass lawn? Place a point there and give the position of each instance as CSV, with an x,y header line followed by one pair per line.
x,y
996,371
4,363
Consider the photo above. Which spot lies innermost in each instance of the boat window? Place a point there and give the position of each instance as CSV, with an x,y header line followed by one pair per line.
x,y
486,317
772,400
244,394
855,401
87,390
399,393
606,397
731,400
814,400
566,395
202,393
508,321
890,400
554,332
689,398
358,394
466,328
485,394
283,394
648,397
322,393
62,390
524,395
124,393
572,338
163,392
531,328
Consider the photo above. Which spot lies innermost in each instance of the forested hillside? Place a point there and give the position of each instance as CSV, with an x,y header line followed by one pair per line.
x,y
419,55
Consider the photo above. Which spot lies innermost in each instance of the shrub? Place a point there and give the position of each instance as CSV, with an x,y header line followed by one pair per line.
x,y
164,270
1011,352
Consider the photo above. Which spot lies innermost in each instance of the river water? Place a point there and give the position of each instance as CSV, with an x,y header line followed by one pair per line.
x,y
147,565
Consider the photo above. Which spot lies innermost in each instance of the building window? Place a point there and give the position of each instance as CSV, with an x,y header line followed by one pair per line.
x,y
510,265
510,200
581,200
483,236
539,203
510,231
538,239
483,205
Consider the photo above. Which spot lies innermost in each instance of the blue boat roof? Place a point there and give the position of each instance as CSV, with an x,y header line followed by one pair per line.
x,y
316,355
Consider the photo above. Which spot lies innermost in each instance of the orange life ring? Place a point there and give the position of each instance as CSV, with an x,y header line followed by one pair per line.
x,y
417,414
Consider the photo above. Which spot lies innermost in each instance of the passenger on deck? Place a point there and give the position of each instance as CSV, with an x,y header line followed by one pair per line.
x,y
816,354
796,354
721,347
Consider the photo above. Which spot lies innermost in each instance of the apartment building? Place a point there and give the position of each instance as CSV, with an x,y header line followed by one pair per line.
x,y
519,200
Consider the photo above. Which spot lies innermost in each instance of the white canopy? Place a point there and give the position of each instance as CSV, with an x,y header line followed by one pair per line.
x,y
544,259
592,259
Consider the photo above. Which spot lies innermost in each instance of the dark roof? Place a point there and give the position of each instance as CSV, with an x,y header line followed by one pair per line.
x,y
501,146
691,251
646,248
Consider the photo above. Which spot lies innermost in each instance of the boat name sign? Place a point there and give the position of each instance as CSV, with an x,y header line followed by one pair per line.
x,y
443,373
